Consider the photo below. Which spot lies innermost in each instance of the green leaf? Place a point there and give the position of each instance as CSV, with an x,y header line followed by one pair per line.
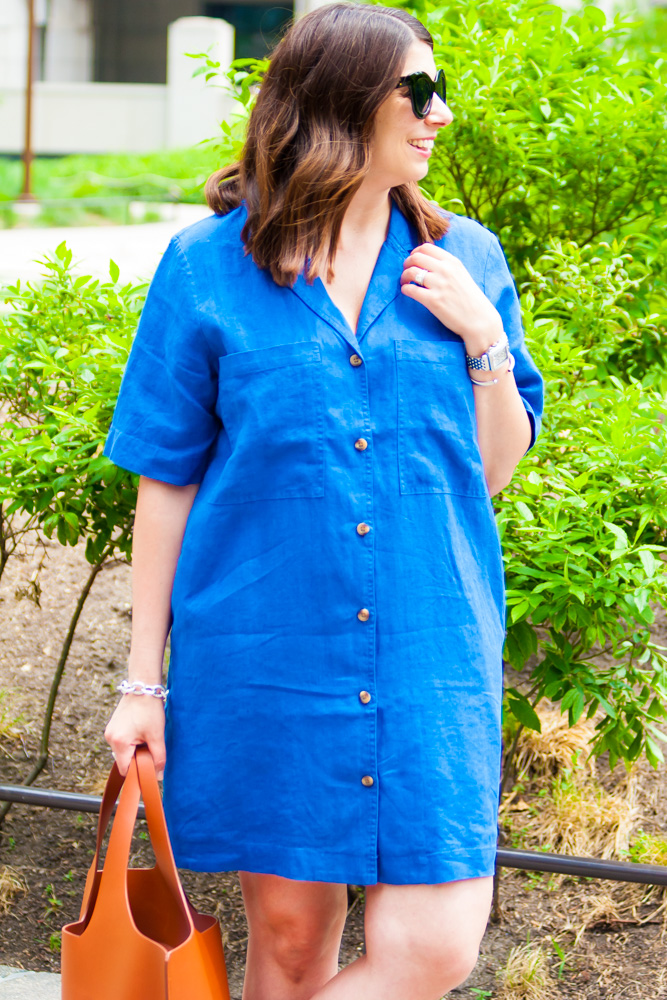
x,y
635,747
519,611
595,16
577,708
524,510
524,711
621,543
648,561
654,752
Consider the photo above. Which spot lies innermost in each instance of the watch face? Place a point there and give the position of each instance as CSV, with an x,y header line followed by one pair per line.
x,y
499,354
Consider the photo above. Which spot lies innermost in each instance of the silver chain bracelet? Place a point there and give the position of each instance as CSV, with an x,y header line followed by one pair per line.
x,y
138,687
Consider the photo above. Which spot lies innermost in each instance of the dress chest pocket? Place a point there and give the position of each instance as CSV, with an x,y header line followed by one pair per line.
x,y
271,405
437,430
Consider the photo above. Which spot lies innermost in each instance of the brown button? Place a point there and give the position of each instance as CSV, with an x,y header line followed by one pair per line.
x,y
356,360
364,696
363,615
363,528
361,444
367,780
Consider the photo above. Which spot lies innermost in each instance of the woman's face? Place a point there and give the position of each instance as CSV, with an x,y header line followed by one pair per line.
x,y
402,143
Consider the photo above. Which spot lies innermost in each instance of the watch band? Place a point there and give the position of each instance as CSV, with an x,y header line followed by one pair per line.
x,y
496,355
493,381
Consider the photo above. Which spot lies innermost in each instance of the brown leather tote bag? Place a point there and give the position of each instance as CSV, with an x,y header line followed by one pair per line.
x,y
138,937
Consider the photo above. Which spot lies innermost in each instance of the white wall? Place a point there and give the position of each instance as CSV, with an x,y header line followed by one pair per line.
x,y
126,117
69,42
303,6
86,118
194,109
13,42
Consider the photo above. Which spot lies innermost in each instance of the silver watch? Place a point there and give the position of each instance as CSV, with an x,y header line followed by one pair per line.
x,y
496,355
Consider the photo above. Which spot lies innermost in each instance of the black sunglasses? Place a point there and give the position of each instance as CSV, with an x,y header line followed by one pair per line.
x,y
422,88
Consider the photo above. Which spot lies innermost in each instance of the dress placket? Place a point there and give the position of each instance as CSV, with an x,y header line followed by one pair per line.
x,y
382,289
362,562
367,699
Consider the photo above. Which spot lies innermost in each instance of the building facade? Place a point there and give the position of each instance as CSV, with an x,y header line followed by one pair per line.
x,y
123,41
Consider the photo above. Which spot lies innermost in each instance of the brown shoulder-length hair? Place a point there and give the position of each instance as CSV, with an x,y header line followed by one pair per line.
x,y
307,146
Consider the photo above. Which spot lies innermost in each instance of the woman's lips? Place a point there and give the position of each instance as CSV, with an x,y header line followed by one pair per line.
x,y
425,146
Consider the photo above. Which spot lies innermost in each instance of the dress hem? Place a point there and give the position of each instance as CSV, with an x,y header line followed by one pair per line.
x,y
316,866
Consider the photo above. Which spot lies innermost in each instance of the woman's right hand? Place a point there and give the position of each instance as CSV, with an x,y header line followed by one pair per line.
x,y
137,719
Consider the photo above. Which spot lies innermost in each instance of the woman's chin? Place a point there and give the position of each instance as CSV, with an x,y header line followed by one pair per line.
x,y
413,173
411,176
417,171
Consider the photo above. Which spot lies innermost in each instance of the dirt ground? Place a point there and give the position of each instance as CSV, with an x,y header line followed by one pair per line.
x,y
48,851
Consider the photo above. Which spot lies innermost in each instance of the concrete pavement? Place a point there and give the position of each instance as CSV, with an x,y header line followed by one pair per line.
x,y
20,984
136,248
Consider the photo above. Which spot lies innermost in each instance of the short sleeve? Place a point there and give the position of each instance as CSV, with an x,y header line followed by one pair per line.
x,y
164,423
500,288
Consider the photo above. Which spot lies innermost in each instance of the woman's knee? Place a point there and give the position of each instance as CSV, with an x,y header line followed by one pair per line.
x,y
298,923
432,959
430,934
449,962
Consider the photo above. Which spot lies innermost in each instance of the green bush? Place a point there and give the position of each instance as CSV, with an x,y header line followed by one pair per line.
x,y
240,80
63,348
559,127
584,522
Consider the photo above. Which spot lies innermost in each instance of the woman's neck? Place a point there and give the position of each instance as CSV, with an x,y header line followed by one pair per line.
x,y
366,219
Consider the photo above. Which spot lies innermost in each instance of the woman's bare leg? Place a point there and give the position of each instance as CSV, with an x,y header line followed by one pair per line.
x,y
421,942
294,934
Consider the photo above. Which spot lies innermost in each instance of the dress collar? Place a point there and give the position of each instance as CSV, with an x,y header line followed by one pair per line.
x,y
383,287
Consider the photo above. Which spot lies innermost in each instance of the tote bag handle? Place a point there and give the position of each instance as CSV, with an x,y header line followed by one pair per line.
x,y
139,780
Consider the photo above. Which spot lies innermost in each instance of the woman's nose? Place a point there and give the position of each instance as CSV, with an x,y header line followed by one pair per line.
x,y
440,113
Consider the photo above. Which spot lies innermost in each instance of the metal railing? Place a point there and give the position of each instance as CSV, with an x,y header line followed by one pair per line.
x,y
56,800
507,857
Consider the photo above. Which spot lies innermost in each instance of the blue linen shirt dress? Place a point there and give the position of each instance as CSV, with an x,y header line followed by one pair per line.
x,y
338,610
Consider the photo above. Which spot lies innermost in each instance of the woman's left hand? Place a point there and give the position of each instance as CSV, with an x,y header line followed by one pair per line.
x,y
453,297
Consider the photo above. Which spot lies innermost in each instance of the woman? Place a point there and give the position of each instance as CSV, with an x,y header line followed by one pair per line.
x,y
314,523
